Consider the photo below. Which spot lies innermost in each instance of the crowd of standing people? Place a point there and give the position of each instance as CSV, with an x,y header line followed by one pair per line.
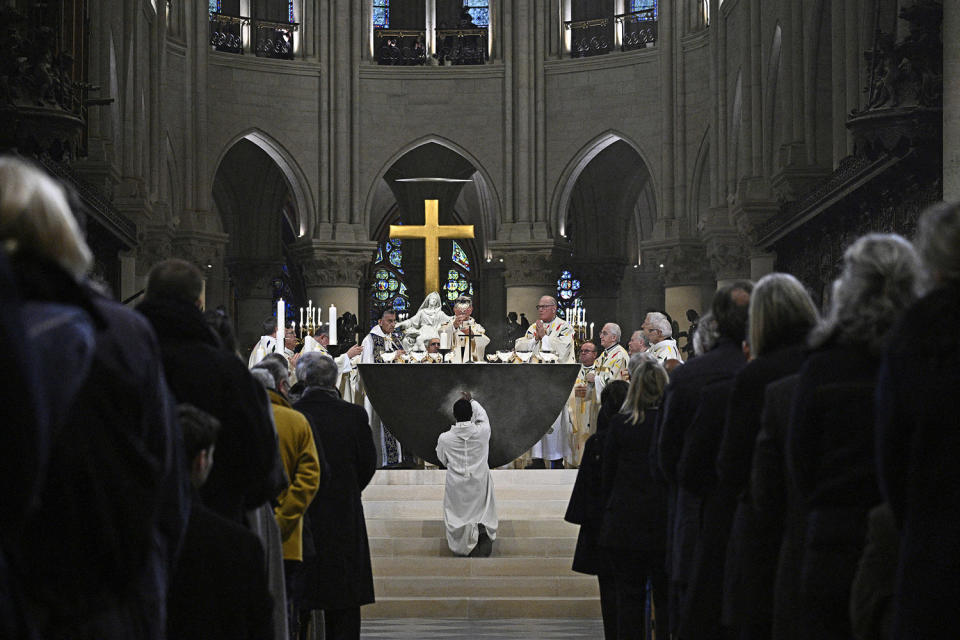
x,y
796,478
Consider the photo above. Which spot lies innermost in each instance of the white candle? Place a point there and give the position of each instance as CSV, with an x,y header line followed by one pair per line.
x,y
301,318
281,333
332,318
317,313
293,327
591,331
444,340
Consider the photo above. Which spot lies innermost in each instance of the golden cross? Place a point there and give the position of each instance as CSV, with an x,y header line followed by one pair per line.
x,y
431,232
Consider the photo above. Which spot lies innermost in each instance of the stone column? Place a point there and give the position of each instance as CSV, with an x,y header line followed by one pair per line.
x,y
600,287
729,257
334,274
688,281
531,272
155,246
253,280
951,101
491,309
207,250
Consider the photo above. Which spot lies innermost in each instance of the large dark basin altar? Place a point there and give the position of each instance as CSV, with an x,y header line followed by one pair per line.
x,y
416,401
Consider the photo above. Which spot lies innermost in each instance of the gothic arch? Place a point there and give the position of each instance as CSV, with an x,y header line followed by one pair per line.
x,y
296,180
490,210
560,202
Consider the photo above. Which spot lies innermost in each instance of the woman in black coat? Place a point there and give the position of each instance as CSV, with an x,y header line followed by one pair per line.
x,y
632,536
781,316
830,445
339,578
586,508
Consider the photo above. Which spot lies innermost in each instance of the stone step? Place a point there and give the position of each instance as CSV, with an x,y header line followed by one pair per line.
x,y
500,476
483,608
486,587
384,566
428,509
435,492
433,528
502,547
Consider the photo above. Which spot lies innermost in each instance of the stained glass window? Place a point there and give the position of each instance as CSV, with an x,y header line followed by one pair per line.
x,y
381,14
641,5
388,288
460,256
290,16
214,6
568,289
479,11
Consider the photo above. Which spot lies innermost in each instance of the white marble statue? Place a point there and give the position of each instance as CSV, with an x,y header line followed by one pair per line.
x,y
424,324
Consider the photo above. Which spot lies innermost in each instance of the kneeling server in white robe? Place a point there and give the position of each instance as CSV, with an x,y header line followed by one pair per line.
x,y
468,496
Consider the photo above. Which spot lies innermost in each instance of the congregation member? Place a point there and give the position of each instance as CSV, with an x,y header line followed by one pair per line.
x,y
680,404
212,379
464,347
383,338
781,316
339,578
469,507
833,468
633,530
658,333
637,343
917,437
553,334
302,463
80,558
219,587
586,508
584,403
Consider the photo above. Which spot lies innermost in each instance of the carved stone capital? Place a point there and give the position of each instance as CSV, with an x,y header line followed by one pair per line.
x,y
753,206
326,264
203,249
155,245
679,263
254,278
600,279
729,256
530,266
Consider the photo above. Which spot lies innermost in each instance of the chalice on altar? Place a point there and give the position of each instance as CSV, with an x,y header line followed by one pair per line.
x,y
418,356
388,356
505,356
525,353
492,357
548,357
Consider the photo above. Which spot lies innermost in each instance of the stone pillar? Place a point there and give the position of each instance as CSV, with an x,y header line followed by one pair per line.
x,y
491,308
253,280
207,250
531,272
333,274
128,274
688,280
601,291
761,264
951,101
155,246
729,257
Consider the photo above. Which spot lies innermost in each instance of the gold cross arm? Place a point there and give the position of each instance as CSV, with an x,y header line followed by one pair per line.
x,y
431,232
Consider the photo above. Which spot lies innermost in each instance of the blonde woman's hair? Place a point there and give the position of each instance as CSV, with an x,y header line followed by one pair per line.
x,y
647,380
781,313
35,218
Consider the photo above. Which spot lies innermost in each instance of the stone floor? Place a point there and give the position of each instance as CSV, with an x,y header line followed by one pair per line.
x,y
449,629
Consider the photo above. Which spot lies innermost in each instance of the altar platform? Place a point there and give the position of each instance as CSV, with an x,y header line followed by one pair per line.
x,y
528,575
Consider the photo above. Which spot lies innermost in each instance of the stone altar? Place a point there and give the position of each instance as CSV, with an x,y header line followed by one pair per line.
x,y
416,401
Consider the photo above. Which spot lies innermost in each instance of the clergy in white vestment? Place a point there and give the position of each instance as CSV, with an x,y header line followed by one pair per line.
x,y
612,359
467,338
553,334
320,342
268,341
382,339
584,403
424,324
469,510
658,331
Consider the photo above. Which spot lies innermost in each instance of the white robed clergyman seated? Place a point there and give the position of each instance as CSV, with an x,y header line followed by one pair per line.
x,y
469,510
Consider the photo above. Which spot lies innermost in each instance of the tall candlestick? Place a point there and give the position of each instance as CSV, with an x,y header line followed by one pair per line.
x,y
591,331
281,332
444,340
293,327
301,319
332,318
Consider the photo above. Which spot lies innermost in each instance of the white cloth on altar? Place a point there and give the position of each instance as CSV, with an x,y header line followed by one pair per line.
x,y
376,424
468,494
458,341
665,350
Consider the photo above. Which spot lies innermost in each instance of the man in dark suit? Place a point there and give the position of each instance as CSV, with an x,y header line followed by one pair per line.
x,y
248,473
219,586
681,401
339,578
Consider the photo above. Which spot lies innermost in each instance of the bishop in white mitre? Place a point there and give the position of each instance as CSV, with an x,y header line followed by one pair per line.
x,y
468,502
584,403
320,342
552,334
467,338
